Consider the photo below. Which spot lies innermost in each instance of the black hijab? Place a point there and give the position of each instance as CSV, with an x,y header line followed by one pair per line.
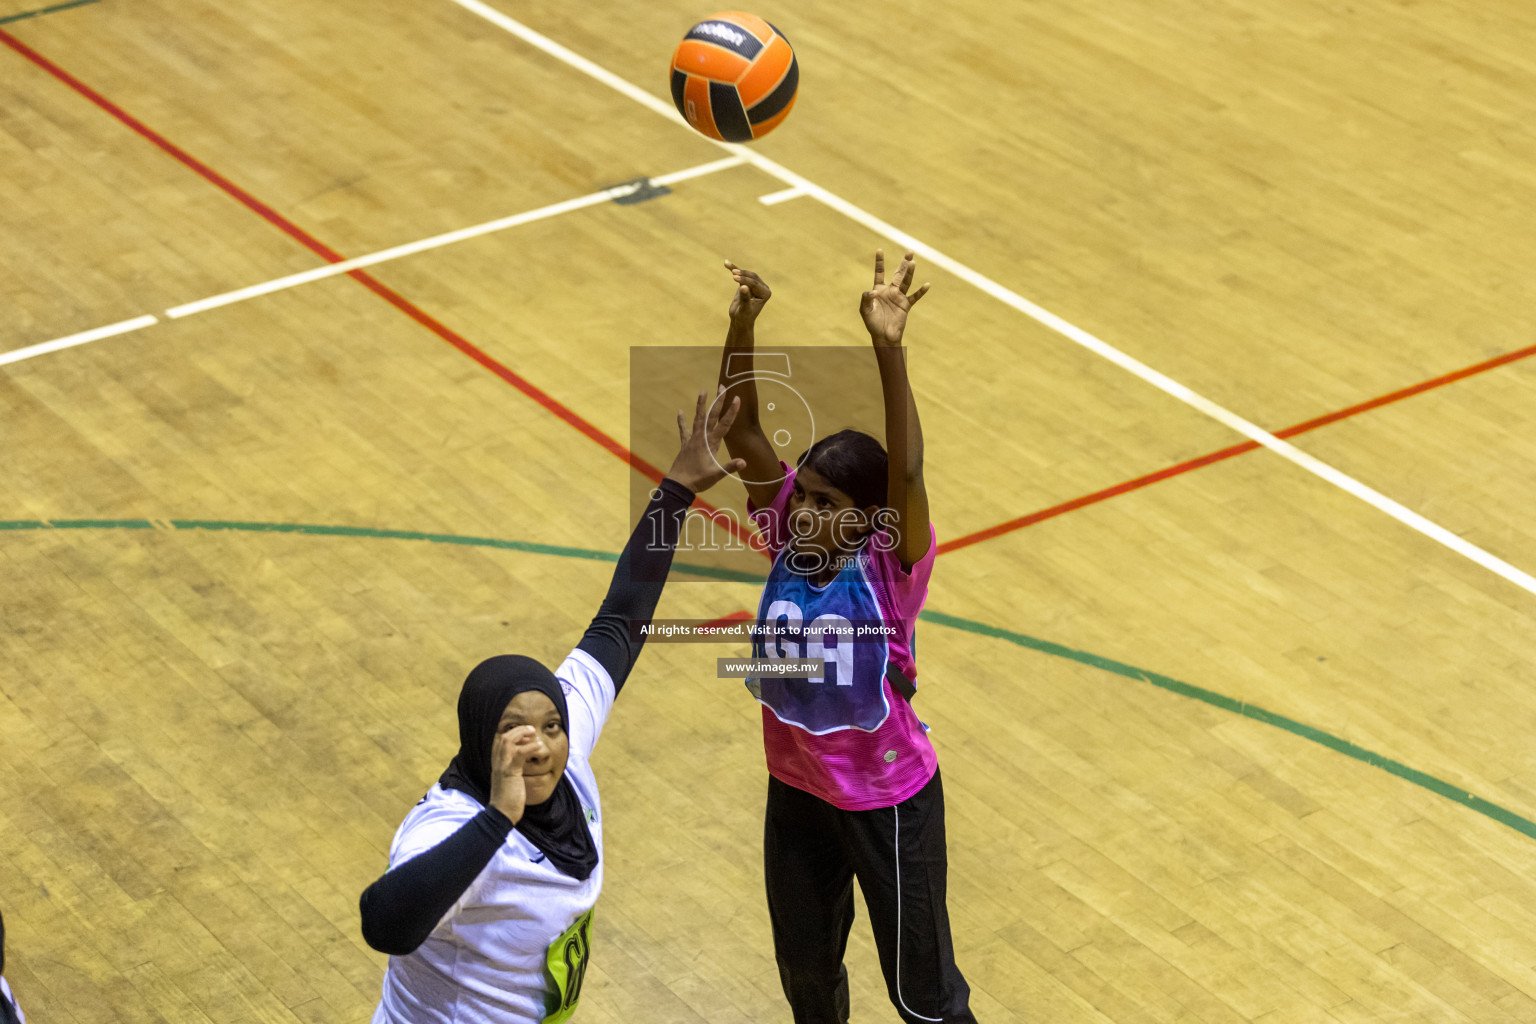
x,y
558,826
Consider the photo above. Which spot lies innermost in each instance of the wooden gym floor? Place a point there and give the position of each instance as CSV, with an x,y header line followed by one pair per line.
x,y
1227,734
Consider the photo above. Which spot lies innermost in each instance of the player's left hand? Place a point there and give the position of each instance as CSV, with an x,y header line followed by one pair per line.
x,y
884,307
696,466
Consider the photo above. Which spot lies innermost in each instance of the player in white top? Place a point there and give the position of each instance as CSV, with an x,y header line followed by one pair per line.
x,y
487,905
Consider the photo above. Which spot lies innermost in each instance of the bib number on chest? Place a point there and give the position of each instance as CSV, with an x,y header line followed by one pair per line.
x,y
798,621
566,964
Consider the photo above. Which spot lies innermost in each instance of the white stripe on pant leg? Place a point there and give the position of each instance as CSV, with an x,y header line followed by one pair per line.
x,y
899,997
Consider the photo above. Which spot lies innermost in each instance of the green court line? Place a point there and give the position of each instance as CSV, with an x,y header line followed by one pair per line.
x,y
45,10
364,531
445,538
1502,815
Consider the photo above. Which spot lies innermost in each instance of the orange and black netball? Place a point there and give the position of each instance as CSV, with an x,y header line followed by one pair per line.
x,y
734,77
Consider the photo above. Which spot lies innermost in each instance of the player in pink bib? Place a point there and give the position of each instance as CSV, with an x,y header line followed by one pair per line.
x,y
850,738
854,788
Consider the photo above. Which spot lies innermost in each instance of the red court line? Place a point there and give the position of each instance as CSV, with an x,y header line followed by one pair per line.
x,y
325,252
1410,391
725,620
330,255
368,281
1093,499
518,381
295,232
575,420
1238,449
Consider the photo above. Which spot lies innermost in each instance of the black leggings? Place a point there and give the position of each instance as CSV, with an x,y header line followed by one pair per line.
x,y
812,851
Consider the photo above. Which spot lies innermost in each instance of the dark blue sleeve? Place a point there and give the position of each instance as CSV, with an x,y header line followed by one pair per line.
x,y
614,637
402,907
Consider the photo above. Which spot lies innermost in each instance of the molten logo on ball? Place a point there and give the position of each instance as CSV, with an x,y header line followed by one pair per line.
x,y
734,77
719,30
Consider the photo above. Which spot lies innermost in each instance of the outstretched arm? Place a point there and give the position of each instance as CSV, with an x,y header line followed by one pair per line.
x,y
746,440
612,638
884,311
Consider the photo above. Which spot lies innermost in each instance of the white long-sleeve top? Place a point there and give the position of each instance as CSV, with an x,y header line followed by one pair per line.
x,y
485,962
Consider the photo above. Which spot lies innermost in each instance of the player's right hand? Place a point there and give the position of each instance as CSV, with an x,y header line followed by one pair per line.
x,y
511,748
752,294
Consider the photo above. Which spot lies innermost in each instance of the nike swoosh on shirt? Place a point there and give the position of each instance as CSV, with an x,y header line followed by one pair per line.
x,y
537,859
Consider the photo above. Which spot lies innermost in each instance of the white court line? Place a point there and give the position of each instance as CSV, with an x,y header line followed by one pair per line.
x,y
438,241
1043,316
70,341
781,196
384,255
724,163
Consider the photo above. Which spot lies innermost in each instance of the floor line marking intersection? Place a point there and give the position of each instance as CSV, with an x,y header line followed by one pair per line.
x,y
1008,297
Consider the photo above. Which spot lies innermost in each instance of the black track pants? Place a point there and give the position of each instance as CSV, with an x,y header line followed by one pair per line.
x,y
812,851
